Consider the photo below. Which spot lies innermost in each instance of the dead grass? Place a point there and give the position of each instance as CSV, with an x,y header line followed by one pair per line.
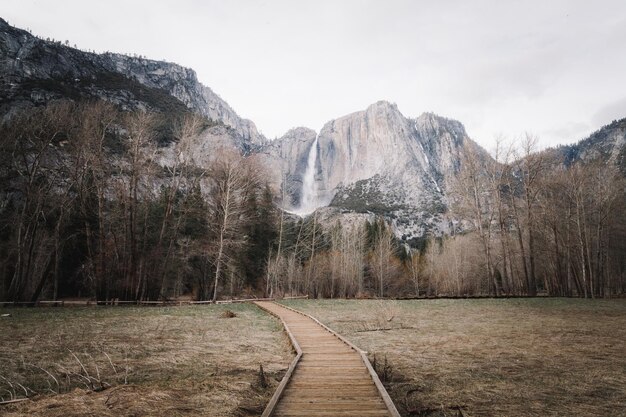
x,y
127,361
518,357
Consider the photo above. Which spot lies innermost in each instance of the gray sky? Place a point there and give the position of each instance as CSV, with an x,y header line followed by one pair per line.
x,y
554,68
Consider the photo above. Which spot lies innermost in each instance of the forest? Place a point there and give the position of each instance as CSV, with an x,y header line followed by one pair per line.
x,y
89,210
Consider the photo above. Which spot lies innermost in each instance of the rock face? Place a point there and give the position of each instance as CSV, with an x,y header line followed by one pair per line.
x,y
380,141
607,144
286,160
182,83
34,71
378,161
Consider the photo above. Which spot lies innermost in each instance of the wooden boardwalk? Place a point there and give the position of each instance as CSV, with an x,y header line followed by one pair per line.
x,y
328,377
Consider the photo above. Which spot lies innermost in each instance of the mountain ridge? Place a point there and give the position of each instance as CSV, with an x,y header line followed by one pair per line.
x,y
607,143
35,71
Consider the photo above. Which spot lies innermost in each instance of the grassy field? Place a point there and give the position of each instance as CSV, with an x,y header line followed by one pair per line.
x,y
517,357
127,361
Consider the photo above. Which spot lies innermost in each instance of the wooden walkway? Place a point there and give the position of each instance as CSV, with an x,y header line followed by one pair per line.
x,y
328,377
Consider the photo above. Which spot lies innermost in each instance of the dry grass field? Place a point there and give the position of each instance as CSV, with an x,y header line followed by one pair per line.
x,y
515,357
518,357
148,361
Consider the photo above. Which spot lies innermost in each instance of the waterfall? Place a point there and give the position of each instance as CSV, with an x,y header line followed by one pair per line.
x,y
308,196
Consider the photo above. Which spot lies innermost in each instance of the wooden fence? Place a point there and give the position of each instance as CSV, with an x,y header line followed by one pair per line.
x,y
77,303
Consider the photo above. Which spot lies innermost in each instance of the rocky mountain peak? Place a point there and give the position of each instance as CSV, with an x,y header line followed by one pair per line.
x,y
299,133
382,106
431,123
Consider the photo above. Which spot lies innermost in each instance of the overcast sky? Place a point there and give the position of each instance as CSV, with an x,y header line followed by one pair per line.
x,y
554,68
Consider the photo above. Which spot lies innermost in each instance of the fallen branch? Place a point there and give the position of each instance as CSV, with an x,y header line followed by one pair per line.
x,y
427,410
14,401
378,329
382,329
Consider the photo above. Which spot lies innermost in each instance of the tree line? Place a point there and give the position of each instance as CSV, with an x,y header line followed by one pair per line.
x,y
524,223
539,225
108,204
88,209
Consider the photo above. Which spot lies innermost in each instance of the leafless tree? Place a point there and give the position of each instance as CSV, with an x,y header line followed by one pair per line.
x,y
184,174
34,181
232,178
474,200
498,171
382,256
137,167
91,175
415,267
531,166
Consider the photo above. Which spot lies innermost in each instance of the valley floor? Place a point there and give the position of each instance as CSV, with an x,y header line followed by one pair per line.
x,y
179,361
490,357
515,357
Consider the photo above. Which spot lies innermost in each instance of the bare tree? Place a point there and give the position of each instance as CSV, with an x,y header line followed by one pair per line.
x,y
474,200
381,256
353,262
594,191
415,267
498,172
91,173
31,145
453,267
232,177
139,161
346,259
184,174
531,166
276,263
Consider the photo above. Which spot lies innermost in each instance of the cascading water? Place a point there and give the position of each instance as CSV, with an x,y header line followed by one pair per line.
x,y
308,199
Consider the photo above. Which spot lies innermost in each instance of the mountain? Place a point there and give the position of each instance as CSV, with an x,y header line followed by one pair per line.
x,y
377,161
372,161
608,144
34,71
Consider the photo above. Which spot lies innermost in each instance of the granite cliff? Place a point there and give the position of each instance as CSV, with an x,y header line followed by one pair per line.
x,y
377,161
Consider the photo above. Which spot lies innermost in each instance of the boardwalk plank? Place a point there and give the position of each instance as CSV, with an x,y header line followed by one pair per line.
x,y
330,378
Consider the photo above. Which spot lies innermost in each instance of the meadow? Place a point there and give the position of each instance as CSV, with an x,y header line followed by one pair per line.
x,y
490,357
131,361
482,357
